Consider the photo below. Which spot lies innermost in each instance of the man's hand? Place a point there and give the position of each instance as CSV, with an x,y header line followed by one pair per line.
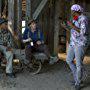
x,y
27,40
70,24
38,42
73,26
65,27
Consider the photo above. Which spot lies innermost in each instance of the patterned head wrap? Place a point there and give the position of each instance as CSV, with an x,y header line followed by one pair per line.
x,y
76,7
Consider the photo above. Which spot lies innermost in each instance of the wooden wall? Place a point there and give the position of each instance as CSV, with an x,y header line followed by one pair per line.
x,y
55,36
46,23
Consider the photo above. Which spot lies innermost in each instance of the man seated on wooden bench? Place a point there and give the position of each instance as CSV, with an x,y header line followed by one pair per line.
x,y
34,39
6,46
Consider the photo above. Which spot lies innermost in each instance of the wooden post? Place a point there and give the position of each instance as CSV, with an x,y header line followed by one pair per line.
x,y
11,13
28,11
15,18
19,15
58,13
40,8
51,26
18,21
0,7
73,2
56,29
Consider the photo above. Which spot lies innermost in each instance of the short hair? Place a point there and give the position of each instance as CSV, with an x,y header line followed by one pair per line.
x,y
31,21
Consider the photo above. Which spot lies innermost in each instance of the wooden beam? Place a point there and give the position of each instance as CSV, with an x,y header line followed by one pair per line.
x,y
51,25
56,32
39,8
28,11
11,13
58,10
0,7
19,14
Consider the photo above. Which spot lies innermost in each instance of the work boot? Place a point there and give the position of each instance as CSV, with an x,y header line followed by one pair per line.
x,y
77,87
11,75
73,83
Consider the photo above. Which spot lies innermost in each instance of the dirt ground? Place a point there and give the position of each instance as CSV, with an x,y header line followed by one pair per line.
x,y
52,77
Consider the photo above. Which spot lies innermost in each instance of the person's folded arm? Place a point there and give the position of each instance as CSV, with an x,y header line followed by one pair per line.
x,y
73,26
65,27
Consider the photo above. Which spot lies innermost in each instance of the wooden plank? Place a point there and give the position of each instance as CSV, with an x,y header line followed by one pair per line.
x,y
19,14
0,7
51,26
39,8
11,13
59,12
28,11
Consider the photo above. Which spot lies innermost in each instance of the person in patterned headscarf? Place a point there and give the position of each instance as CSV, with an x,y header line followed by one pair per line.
x,y
78,28
6,46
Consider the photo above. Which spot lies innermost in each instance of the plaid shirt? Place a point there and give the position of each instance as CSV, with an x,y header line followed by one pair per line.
x,y
5,38
76,38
